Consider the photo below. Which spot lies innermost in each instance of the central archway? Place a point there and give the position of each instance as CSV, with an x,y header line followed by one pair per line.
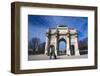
x,y
62,47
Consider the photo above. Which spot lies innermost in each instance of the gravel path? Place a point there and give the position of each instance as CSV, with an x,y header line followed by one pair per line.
x,y
45,57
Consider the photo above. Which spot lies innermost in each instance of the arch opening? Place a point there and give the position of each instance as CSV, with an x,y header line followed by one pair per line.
x,y
62,47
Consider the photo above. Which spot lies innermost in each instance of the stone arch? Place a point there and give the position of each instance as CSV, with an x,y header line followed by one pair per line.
x,y
54,35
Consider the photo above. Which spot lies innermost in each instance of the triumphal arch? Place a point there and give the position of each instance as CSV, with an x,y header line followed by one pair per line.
x,y
62,33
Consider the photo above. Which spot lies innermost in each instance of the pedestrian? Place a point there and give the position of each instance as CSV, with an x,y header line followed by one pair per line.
x,y
52,53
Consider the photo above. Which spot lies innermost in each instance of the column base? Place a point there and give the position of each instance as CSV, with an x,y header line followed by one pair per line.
x,y
56,52
68,53
46,52
77,52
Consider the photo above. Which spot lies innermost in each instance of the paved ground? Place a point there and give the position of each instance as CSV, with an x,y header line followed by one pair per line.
x,y
45,57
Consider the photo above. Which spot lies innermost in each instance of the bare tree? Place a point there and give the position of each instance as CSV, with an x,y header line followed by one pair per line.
x,y
83,46
34,44
42,48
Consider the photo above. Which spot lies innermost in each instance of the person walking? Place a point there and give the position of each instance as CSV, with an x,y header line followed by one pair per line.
x,y
52,53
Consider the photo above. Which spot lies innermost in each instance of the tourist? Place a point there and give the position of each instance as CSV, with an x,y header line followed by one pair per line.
x,y
52,53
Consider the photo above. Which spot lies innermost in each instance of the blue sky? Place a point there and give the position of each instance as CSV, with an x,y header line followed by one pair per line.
x,y
38,25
